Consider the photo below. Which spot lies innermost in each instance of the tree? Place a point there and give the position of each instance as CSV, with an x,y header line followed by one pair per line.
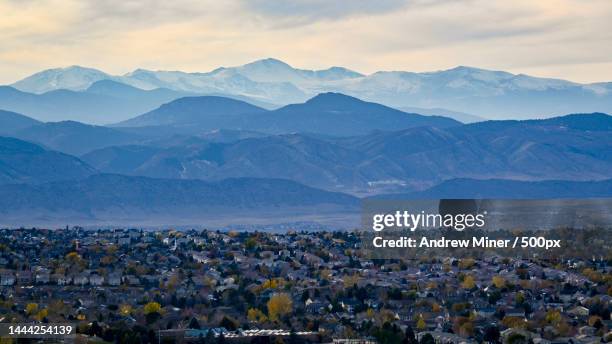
x,y
468,282
516,338
420,324
194,324
435,307
409,336
152,311
350,280
280,304
152,307
553,317
95,329
499,282
466,263
491,334
595,321
519,298
256,315
31,308
228,323
427,339
42,314
125,310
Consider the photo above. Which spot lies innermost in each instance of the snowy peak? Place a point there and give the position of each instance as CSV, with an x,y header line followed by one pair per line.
x,y
268,63
485,93
74,78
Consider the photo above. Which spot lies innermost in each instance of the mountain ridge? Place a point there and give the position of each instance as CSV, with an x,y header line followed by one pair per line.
x,y
569,147
327,113
25,162
485,93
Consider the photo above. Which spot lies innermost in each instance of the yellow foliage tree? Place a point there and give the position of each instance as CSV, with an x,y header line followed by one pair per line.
x,y
152,307
519,298
43,313
553,316
468,282
279,305
255,315
274,283
466,263
499,282
31,308
420,324
125,310
73,257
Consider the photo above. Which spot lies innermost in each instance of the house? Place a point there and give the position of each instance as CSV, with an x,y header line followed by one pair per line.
x,y
96,280
131,280
63,279
42,277
114,279
579,311
7,279
24,277
80,279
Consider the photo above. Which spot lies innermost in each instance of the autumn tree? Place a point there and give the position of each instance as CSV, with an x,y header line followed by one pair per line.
x,y
466,263
280,304
420,324
152,311
256,315
499,282
125,310
31,308
468,282
553,317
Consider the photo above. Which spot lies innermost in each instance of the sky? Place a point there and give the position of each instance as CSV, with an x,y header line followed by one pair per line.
x,y
568,39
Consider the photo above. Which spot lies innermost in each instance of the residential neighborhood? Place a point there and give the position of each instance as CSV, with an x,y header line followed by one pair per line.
x,y
136,285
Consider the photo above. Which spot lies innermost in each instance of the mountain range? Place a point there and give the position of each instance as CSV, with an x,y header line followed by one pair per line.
x,y
327,113
332,141
268,138
461,90
38,185
573,147
103,102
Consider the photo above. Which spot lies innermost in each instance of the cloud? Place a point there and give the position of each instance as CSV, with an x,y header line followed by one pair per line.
x,y
558,38
301,12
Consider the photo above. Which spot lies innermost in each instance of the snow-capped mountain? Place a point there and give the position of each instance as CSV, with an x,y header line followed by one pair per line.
x,y
485,93
273,70
73,78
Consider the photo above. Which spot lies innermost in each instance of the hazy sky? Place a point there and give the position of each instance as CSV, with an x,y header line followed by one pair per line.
x,y
570,39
